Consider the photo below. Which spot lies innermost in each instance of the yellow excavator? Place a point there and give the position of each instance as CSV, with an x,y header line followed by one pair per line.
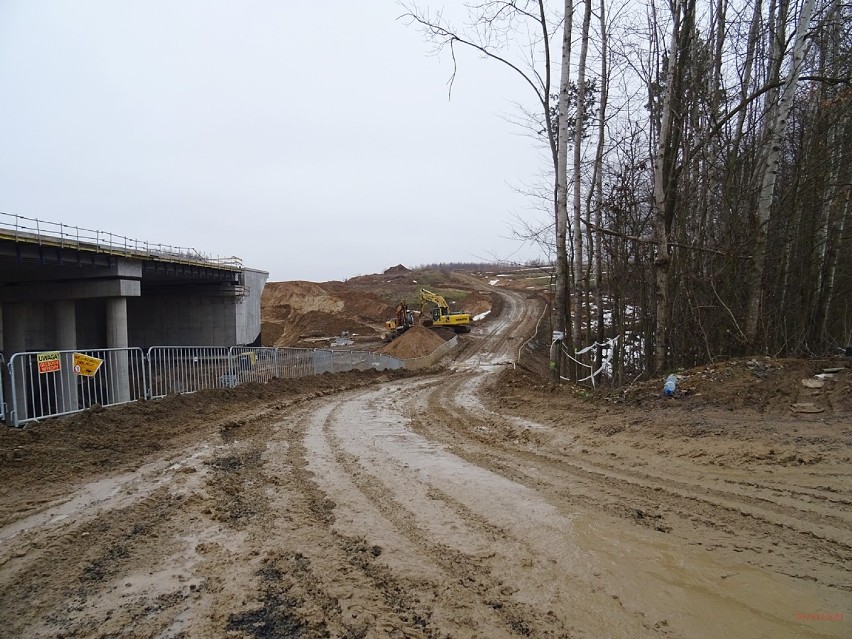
x,y
441,315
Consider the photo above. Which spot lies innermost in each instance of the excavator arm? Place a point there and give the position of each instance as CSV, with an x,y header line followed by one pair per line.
x,y
440,304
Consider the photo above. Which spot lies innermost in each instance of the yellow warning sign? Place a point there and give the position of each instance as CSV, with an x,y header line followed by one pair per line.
x,y
48,362
86,365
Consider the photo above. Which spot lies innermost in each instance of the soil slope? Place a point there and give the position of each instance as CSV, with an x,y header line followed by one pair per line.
x,y
302,314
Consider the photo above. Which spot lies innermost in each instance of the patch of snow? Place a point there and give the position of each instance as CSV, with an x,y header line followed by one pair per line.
x,y
481,316
494,282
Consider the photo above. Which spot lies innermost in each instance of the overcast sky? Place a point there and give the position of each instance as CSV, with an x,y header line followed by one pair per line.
x,y
315,140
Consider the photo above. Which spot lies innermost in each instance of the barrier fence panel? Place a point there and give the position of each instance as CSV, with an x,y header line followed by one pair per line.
x,y
323,361
364,361
386,362
433,358
2,388
49,384
187,369
249,364
353,361
295,362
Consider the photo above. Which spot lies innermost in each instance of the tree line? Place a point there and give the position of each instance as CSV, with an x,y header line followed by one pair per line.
x,y
700,173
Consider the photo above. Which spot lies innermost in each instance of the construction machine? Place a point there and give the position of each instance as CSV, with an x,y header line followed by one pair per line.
x,y
441,315
402,322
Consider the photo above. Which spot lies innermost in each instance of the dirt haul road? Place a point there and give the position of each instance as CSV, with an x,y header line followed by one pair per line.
x,y
411,508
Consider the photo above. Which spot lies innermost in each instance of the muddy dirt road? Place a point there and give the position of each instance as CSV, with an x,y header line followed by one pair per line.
x,y
429,506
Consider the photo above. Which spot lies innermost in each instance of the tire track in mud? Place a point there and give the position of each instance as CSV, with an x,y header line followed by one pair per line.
x,y
827,495
446,401
313,551
137,570
706,508
80,564
468,577
393,603
491,572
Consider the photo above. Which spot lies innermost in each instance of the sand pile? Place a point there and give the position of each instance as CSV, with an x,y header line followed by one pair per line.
x,y
415,342
293,311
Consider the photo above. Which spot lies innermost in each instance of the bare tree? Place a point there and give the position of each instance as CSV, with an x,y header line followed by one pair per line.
x,y
501,18
667,170
561,168
742,140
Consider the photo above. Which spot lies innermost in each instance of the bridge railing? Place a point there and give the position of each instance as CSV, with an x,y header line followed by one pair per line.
x,y
42,232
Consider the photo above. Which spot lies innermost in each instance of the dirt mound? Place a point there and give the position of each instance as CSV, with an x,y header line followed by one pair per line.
x,y
764,384
399,268
415,342
297,297
295,311
361,304
746,386
311,326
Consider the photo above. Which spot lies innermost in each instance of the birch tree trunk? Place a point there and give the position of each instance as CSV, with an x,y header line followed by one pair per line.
x,y
835,239
598,185
776,128
578,140
562,280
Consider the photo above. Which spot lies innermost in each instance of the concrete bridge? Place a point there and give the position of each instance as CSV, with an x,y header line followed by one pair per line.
x,y
67,288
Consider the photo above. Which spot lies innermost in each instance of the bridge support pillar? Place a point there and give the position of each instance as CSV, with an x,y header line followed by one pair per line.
x,y
65,313
118,361
15,319
66,325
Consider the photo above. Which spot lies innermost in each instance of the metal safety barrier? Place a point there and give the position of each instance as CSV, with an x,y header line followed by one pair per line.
x,y
187,369
253,364
2,388
49,384
432,358
295,362
332,361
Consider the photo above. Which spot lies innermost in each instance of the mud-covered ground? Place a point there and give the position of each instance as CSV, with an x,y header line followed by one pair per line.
x,y
474,501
